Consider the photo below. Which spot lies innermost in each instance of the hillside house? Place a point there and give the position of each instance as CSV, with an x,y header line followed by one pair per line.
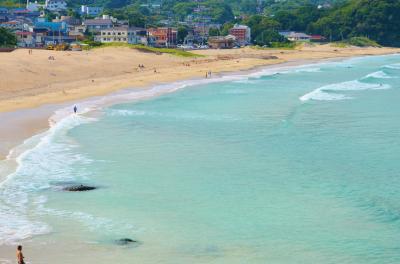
x,y
163,37
90,10
227,42
56,5
130,35
98,24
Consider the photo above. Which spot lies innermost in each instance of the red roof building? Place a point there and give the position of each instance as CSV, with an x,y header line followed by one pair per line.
x,y
163,37
242,34
317,38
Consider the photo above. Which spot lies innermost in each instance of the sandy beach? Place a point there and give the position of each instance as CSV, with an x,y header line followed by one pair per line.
x,y
32,81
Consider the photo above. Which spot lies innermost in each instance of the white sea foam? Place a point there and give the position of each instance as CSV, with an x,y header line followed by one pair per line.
x,y
307,69
49,159
246,81
378,75
312,68
330,92
393,66
321,95
171,115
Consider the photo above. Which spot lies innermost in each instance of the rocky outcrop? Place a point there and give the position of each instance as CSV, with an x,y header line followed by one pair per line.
x,y
79,188
125,241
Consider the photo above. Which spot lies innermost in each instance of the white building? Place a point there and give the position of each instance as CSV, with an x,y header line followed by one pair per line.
x,y
33,6
298,36
128,35
91,10
295,36
56,5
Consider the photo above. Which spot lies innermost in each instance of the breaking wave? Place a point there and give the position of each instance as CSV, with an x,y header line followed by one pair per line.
x,y
378,75
331,92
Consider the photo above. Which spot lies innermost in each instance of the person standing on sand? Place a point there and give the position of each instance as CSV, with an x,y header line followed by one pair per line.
x,y
75,109
20,256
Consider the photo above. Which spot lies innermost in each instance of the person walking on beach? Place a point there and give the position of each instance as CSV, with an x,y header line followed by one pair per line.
x,y
20,256
75,109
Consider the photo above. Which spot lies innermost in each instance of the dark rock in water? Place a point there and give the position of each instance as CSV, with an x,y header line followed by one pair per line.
x,y
125,241
79,188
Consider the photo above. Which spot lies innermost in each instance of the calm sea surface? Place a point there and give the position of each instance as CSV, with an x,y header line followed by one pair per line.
x,y
299,165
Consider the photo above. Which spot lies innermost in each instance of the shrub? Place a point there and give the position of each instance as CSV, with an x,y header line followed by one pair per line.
x,y
362,42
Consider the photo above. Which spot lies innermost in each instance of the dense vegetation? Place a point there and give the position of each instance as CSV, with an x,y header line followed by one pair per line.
x,y
376,19
7,38
355,20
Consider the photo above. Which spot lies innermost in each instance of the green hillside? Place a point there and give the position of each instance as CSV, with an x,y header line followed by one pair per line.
x,y
337,20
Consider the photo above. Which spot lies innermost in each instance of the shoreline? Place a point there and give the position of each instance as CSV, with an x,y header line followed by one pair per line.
x,y
36,120
31,116
21,124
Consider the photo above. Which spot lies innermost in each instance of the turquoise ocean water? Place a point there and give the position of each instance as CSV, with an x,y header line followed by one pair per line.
x,y
294,165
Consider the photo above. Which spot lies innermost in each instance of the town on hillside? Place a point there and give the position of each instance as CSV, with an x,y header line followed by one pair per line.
x,y
55,25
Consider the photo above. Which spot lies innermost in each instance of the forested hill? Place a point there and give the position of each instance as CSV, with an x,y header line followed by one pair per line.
x,y
376,19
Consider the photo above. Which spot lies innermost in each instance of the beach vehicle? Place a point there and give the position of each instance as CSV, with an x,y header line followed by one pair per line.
x,y
50,47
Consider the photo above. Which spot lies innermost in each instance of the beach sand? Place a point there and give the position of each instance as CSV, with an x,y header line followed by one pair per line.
x,y
33,81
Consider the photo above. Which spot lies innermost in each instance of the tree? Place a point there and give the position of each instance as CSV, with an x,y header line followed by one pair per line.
x,y
259,24
132,14
73,13
225,28
378,20
181,10
182,33
267,37
117,3
7,38
212,32
220,12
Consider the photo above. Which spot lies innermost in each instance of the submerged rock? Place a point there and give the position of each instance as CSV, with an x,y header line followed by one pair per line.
x,y
125,241
79,188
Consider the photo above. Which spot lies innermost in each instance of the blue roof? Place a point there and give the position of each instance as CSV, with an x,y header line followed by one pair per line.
x,y
18,9
53,26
